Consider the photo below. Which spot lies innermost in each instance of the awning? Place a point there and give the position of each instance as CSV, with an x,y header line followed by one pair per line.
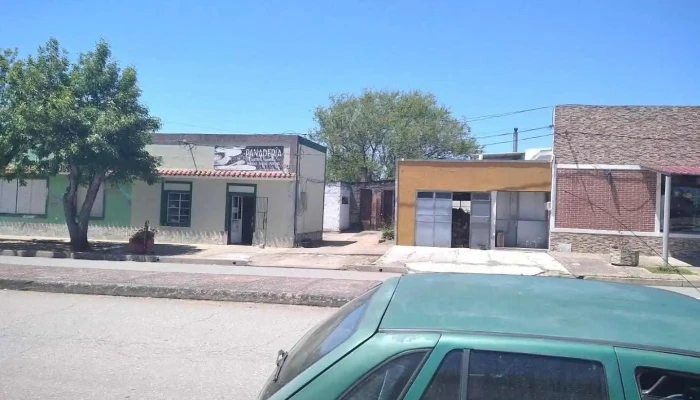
x,y
217,173
675,169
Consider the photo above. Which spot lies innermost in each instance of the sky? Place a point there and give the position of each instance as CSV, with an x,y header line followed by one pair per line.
x,y
264,66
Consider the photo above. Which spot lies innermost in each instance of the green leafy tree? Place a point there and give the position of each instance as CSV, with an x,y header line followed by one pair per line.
x,y
377,128
9,148
83,119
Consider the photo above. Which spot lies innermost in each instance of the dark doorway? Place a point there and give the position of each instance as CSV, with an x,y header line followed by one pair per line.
x,y
240,218
248,219
461,218
365,206
387,206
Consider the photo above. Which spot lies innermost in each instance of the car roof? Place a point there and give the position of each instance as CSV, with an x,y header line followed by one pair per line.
x,y
582,310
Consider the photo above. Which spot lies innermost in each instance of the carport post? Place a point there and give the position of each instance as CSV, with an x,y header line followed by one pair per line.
x,y
667,218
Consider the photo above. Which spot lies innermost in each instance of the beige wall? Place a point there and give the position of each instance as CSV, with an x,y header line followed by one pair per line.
x,y
280,217
312,169
209,209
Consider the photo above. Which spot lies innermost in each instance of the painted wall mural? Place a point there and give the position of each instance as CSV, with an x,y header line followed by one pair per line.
x,y
249,158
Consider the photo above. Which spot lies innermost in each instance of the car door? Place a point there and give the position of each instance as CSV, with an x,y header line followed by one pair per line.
x,y
382,368
652,375
486,367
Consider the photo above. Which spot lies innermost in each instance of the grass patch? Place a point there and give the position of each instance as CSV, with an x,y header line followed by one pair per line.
x,y
670,270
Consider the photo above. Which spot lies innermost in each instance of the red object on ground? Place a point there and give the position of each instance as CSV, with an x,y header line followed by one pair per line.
x,y
137,247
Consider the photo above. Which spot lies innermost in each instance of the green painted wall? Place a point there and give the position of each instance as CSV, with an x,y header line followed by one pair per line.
x,y
117,205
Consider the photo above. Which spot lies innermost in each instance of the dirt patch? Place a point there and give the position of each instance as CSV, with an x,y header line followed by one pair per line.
x,y
670,270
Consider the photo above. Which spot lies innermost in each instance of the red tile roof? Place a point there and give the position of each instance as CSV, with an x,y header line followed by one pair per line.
x,y
224,173
675,169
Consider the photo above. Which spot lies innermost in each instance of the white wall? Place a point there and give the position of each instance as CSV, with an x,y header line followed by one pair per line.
x,y
209,209
345,208
336,215
312,181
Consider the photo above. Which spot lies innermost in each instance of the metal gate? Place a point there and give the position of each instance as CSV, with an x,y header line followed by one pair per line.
x,y
480,221
434,219
261,220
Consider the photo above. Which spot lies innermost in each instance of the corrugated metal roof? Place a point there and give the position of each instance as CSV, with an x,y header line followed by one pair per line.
x,y
216,173
675,169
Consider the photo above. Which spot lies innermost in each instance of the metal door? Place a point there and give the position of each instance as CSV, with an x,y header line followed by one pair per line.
x,y
433,219
443,220
425,204
533,229
236,226
480,221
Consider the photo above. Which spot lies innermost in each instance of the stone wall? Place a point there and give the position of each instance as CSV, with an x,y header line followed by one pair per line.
x,y
646,245
633,135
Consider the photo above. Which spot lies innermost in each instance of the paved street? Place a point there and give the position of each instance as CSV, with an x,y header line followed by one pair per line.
x,y
58,346
196,268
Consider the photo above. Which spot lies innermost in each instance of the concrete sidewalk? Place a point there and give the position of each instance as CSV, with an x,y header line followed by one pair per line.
x,y
339,251
182,281
598,267
501,261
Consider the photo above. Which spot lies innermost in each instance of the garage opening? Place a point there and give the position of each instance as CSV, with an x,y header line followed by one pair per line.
x,y
453,219
522,219
461,214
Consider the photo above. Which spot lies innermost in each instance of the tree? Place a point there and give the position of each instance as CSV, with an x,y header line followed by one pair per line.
x,y
377,128
8,147
83,119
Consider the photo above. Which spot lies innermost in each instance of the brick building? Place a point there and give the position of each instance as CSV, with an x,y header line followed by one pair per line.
x,y
609,169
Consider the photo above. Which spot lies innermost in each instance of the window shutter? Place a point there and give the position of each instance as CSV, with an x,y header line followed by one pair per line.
x,y
39,194
8,197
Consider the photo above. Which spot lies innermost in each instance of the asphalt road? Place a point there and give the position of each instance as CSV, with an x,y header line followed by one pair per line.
x,y
58,346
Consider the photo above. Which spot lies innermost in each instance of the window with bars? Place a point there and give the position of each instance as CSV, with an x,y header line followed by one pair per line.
x,y
176,204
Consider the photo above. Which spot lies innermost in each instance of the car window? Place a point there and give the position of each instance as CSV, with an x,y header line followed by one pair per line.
x,y
446,382
504,376
319,342
656,384
389,380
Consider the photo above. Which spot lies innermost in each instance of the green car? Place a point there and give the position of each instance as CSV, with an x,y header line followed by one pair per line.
x,y
491,337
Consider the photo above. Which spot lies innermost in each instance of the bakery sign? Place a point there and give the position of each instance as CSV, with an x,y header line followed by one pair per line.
x,y
249,158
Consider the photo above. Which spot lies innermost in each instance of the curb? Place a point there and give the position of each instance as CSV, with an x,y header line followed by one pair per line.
x,y
81,255
374,268
169,292
644,281
119,257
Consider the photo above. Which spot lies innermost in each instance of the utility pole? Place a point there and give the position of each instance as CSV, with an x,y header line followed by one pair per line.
x,y
515,140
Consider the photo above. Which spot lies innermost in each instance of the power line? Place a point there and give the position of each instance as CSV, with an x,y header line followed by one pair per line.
x,y
521,139
690,137
622,224
519,131
505,114
632,232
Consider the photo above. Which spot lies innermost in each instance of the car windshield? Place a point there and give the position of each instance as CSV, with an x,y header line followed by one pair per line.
x,y
320,341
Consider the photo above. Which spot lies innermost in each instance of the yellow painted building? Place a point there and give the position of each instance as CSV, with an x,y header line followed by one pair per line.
x,y
498,203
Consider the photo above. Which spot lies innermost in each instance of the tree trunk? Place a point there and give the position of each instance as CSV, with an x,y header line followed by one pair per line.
x,y
78,220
